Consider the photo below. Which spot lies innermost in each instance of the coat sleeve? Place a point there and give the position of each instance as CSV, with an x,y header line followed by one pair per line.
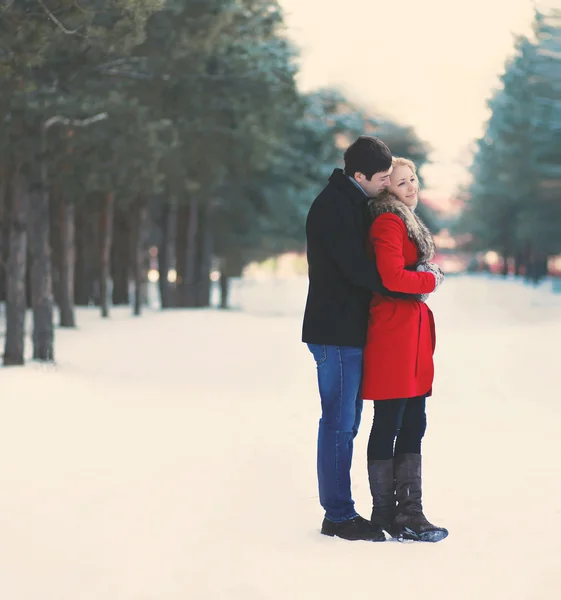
x,y
348,249
386,235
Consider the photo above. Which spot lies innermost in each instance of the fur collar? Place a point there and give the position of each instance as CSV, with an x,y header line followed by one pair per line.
x,y
418,232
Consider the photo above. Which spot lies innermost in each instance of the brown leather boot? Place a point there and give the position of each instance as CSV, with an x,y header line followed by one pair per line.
x,y
410,523
381,478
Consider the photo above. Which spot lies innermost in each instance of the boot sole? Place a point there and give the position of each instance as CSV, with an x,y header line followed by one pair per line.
x,y
427,536
380,539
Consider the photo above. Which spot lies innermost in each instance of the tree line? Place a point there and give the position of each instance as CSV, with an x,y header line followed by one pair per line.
x,y
127,125
513,205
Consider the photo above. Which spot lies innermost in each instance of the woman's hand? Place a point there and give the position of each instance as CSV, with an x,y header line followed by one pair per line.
x,y
430,267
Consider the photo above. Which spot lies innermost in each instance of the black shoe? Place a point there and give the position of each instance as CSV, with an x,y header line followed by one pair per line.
x,y
353,529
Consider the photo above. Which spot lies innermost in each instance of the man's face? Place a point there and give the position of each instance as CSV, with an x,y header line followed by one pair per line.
x,y
377,183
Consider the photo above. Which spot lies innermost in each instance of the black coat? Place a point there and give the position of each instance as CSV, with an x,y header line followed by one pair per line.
x,y
342,277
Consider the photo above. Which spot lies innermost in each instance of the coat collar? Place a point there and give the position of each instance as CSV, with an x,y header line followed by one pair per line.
x,y
347,188
417,231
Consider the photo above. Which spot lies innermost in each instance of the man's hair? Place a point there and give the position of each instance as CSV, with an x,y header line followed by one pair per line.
x,y
367,155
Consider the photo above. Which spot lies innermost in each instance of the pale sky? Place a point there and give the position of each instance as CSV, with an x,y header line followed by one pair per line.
x,y
431,64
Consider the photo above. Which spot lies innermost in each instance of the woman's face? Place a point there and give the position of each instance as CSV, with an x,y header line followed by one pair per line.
x,y
405,185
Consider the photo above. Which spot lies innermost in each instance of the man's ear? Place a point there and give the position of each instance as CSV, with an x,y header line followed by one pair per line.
x,y
359,177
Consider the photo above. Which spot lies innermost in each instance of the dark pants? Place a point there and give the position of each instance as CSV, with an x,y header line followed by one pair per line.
x,y
404,419
339,370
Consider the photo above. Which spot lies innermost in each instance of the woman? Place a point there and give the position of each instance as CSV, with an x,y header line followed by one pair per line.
x,y
398,358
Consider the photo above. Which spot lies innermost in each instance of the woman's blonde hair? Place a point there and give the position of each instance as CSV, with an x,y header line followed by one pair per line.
x,y
398,161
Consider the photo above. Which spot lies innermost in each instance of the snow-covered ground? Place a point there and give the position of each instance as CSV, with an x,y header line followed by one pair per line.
x,y
172,457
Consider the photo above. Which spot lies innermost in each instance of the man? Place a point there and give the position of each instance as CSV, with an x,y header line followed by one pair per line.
x,y
342,279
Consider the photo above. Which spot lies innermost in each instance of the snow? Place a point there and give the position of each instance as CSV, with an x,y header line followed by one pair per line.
x,y
173,457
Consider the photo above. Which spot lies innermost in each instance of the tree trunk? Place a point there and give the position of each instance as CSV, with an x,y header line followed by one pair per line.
x,y
80,294
16,298
204,258
55,242
105,239
518,263
504,268
41,269
4,227
192,255
230,266
139,254
120,257
28,298
538,268
527,260
181,254
224,290
165,252
543,266
536,264
188,255
86,266
67,261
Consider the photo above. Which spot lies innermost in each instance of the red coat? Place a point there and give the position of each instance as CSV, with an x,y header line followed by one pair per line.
x,y
398,356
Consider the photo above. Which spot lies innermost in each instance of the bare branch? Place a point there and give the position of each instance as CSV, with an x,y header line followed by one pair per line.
x,y
121,61
74,122
55,20
126,74
126,69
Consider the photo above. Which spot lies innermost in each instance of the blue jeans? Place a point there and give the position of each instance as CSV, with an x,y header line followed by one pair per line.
x,y
339,371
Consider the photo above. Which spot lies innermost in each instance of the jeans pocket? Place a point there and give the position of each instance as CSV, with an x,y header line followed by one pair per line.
x,y
319,352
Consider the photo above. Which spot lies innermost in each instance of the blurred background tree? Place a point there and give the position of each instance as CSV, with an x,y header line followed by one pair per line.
x,y
514,202
168,136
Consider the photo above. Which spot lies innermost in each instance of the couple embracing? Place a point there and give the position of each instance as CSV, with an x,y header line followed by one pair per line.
x,y
372,336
